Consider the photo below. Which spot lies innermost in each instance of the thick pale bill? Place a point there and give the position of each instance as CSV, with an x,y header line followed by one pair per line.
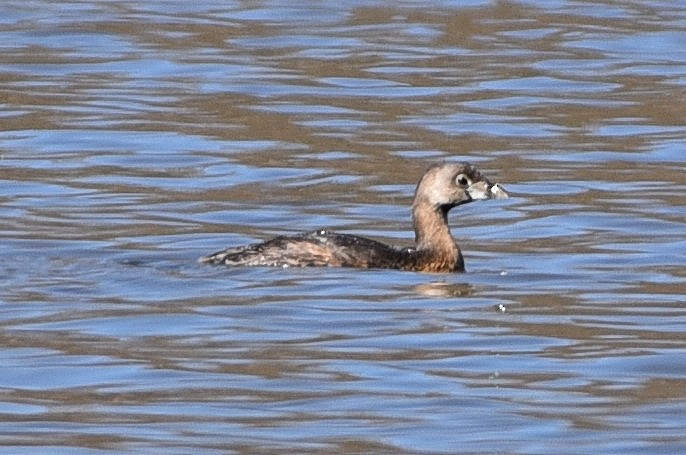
x,y
498,192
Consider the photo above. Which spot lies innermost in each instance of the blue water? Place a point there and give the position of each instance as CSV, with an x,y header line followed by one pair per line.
x,y
137,137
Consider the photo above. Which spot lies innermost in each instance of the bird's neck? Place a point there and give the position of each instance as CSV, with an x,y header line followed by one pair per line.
x,y
432,232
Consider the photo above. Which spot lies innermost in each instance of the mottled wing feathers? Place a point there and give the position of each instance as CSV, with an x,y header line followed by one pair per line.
x,y
312,249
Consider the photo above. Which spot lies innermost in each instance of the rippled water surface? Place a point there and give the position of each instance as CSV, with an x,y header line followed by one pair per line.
x,y
137,136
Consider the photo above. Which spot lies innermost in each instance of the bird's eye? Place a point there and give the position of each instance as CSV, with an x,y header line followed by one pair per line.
x,y
463,180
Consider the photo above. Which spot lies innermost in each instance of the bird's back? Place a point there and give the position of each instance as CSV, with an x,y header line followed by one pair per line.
x,y
313,249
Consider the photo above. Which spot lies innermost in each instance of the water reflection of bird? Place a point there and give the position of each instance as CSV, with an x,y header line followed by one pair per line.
x,y
442,187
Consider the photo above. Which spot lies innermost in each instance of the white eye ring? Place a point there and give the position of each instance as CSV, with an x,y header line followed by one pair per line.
x,y
463,180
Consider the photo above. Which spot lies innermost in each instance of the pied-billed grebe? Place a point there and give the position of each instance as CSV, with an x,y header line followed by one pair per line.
x,y
442,187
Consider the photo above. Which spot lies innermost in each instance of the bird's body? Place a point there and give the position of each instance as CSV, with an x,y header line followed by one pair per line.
x,y
441,188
